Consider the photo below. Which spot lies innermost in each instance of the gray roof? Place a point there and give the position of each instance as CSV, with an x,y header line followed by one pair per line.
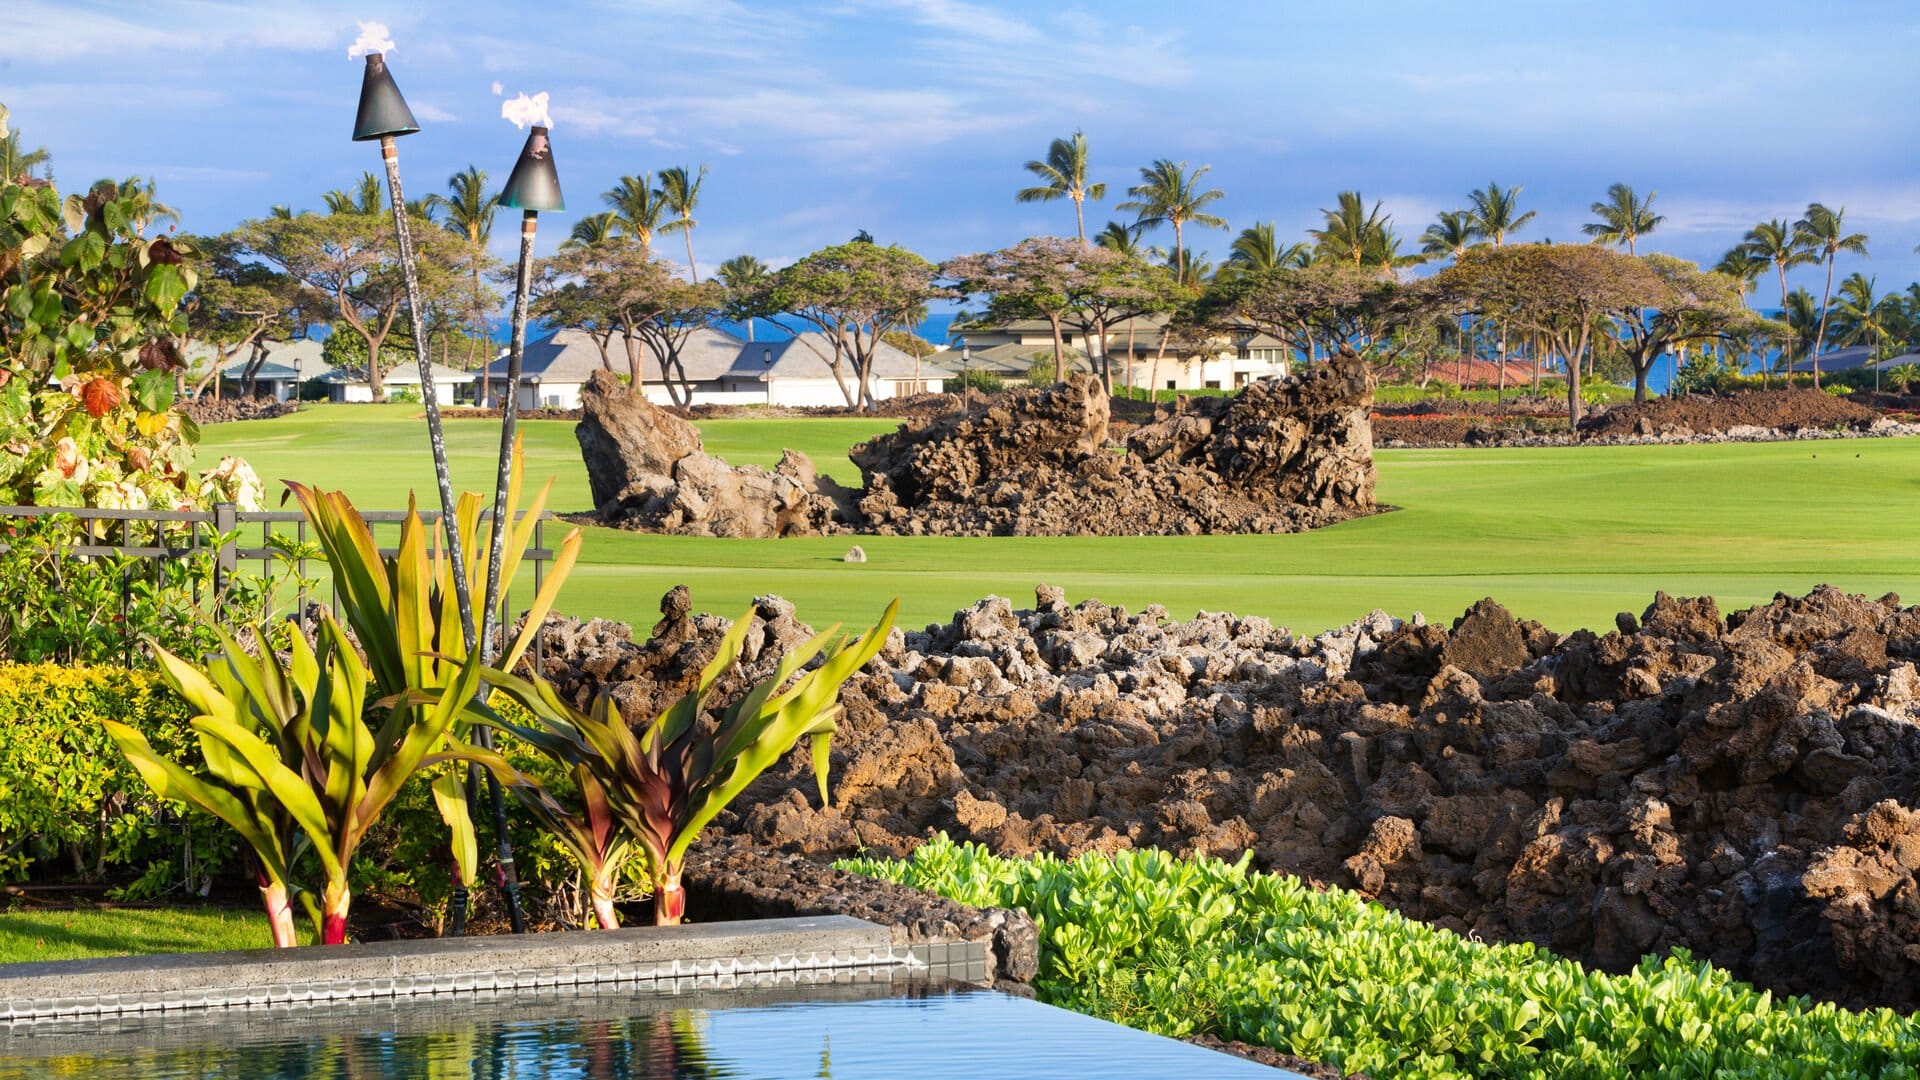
x,y
569,356
1853,356
708,356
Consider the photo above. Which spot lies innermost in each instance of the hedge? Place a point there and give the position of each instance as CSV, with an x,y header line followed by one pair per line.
x,y
70,805
1201,946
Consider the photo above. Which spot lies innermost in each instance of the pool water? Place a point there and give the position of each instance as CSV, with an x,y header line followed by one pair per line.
x,y
846,1032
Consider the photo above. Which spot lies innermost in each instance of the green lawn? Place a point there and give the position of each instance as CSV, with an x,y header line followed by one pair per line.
x,y
82,933
1565,535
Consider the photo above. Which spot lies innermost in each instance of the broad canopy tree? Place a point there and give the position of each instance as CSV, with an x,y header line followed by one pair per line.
x,y
1068,284
351,260
238,305
618,288
853,293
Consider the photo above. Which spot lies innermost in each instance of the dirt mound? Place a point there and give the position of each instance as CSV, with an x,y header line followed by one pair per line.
x,y
542,413
646,469
1746,787
206,410
1780,410
1280,456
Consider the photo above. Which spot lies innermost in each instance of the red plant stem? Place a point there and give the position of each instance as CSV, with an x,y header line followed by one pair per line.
x,y
273,895
333,915
669,900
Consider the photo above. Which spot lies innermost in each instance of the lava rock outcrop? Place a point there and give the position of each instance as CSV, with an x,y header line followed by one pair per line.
x,y
646,469
1280,456
1745,786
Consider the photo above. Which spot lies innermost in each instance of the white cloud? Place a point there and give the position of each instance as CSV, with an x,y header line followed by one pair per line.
x,y
39,31
433,114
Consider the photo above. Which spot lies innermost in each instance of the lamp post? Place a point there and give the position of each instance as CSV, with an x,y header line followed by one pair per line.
x,y
966,376
766,373
296,380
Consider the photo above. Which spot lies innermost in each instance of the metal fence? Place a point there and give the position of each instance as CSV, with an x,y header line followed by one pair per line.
x,y
176,535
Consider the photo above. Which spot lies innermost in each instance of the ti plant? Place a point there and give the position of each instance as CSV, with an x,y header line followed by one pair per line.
x,y
404,611
662,783
288,742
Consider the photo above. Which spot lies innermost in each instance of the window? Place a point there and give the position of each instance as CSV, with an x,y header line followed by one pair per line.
x,y
1171,386
1213,384
1240,378
906,387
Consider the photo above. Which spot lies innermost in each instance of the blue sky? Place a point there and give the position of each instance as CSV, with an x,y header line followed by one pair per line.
x,y
910,118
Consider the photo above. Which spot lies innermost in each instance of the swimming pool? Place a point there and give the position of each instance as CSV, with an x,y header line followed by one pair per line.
x,y
854,1031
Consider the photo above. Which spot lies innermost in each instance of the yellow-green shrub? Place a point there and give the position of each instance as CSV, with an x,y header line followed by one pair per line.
x,y
65,791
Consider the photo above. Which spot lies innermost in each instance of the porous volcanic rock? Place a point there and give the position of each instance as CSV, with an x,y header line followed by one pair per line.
x,y
226,410
1789,410
1745,786
1280,456
647,470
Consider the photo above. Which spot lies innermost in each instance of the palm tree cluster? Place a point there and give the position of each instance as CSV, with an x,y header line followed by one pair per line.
x,y
1820,236
641,207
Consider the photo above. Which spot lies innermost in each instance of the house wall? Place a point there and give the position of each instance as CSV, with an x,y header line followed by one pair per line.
x,y
361,393
1223,372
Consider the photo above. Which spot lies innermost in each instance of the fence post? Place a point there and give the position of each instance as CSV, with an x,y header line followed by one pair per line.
x,y
226,525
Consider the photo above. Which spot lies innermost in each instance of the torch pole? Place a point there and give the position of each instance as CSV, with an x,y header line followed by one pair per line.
x,y
496,546
456,553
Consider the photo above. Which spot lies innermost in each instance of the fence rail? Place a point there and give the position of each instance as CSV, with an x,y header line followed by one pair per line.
x,y
162,536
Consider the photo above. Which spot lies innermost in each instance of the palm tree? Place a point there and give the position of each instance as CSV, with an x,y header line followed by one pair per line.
x,y
280,212
1864,318
1776,243
17,162
1451,234
468,209
1802,316
147,209
1258,249
637,208
1168,193
593,230
1624,218
1744,267
1495,212
1120,237
742,274
363,198
1823,231
680,191
1352,231
1064,176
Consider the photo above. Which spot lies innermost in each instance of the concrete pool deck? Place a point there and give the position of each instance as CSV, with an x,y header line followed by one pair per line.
x,y
806,949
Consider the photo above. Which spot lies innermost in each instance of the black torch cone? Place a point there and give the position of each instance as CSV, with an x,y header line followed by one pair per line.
x,y
534,184
382,110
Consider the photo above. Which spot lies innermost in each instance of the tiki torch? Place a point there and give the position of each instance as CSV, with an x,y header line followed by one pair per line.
x,y
384,116
533,186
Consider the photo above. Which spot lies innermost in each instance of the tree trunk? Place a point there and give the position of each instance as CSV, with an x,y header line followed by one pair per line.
x,y
1573,378
375,383
1641,372
1080,219
692,272
1128,371
1820,336
1179,254
1501,393
1059,351
1106,365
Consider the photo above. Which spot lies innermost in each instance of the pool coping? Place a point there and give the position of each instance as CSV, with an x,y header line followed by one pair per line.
x,y
805,949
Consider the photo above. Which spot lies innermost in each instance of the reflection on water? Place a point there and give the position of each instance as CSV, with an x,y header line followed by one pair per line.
x,y
862,1032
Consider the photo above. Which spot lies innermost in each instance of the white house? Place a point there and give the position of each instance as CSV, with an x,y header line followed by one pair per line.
x,y
283,367
719,368
450,385
1223,362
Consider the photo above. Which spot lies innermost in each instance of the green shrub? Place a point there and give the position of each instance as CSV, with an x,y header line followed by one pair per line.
x,y
65,608
69,802
1181,947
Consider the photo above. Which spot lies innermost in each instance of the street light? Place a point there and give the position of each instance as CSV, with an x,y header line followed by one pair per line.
x,y
966,380
766,373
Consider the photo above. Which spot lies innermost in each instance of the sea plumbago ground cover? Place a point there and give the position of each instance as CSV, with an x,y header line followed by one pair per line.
x,y
1203,946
